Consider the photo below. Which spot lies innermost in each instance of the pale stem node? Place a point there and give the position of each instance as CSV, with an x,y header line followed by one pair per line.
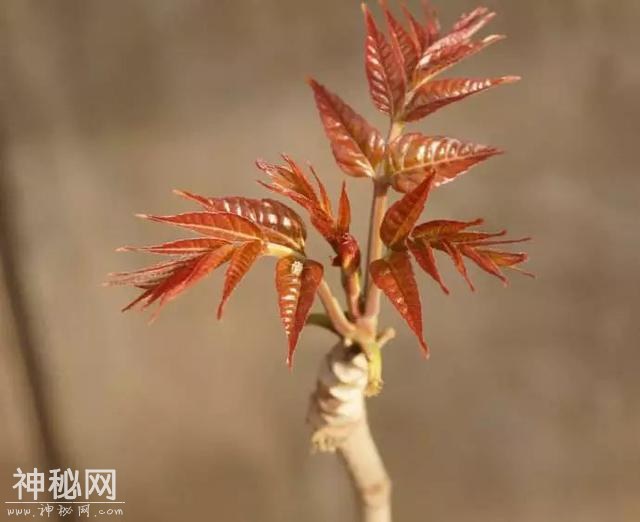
x,y
338,416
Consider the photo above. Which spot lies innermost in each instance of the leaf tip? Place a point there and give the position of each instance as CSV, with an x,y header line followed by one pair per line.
x,y
469,283
220,309
289,361
489,16
493,38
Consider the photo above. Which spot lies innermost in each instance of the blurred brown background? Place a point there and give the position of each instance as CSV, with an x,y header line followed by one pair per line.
x,y
529,407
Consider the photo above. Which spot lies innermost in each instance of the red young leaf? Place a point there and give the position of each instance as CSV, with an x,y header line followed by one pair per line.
x,y
483,261
456,230
140,277
414,156
401,217
240,230
469,24
458,261
463,30
218,225
432,24
348,258
453,238
394,276
423,253
442,228
344,244
476,240
505,259
431,96
165,281
438,58
400,71
290,181
194,246
279,223
384,69
188,276
403,44
241,261
444,235
344,212
419,36
324,202
357,146
296,283
149,276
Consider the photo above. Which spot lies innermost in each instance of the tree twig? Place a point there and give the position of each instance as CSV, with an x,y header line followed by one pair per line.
x,y
367,472
374,249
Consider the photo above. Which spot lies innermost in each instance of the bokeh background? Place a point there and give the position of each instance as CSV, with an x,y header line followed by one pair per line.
x,y
529,407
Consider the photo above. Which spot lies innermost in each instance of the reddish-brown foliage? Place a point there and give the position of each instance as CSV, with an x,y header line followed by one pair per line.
x,y
401,69
394,276
289,180
296,282
413,157
357,146
385,71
